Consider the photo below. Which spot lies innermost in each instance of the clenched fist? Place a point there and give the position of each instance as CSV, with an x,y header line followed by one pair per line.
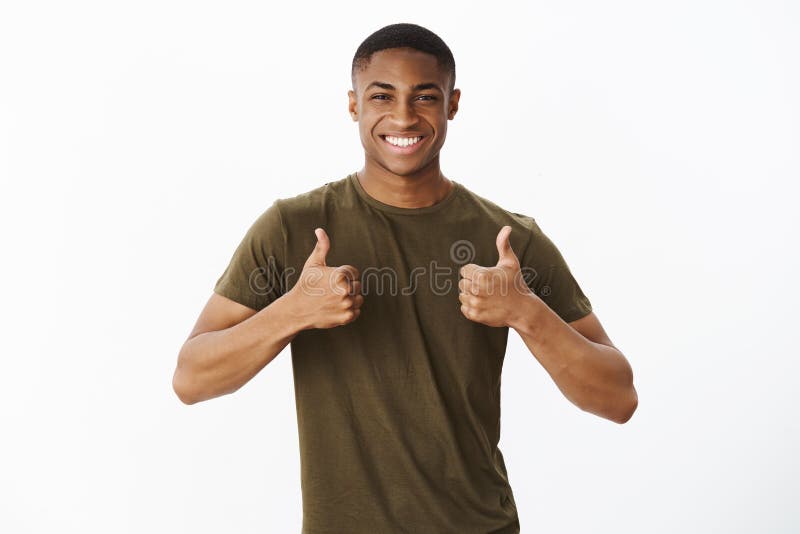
x,y
494,295
327,296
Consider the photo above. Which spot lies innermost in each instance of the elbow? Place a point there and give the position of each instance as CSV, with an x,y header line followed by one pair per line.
x,y
181,391
181,385
630,399
630,407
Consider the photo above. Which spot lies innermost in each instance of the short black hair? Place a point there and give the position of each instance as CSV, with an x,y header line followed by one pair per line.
x,y
405,35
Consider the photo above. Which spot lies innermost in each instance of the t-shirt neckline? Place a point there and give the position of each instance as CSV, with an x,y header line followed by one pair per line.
x,y
374,202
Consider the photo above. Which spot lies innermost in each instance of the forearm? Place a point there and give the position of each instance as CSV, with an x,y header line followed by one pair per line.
x,y
595,377
216,363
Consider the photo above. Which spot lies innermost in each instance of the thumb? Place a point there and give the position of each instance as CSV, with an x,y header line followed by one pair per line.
x,y
505,253
317,256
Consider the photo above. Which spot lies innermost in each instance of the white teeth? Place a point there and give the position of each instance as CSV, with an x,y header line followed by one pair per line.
x,y
403,141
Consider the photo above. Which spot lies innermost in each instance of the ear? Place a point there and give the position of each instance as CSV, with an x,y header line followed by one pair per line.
x,y
453,103
352,105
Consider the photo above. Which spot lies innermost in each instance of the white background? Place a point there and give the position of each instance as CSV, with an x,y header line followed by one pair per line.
x,y
655,143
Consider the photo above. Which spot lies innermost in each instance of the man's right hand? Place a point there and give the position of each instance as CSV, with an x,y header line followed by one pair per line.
x,y
327,296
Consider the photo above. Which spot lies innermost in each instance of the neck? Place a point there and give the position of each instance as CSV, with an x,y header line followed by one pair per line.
x,y
421,189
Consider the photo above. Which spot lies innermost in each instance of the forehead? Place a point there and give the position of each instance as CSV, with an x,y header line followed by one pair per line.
x,y
401,67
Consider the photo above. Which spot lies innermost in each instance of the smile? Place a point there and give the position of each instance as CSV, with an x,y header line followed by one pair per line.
x,y
403,145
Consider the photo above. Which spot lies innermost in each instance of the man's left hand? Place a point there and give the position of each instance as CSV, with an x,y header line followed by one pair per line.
x,y
494,296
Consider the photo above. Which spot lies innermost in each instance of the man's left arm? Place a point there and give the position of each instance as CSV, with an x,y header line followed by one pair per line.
x,y
588,369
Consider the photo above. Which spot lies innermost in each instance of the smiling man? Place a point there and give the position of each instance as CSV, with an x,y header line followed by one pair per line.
x,y
396,287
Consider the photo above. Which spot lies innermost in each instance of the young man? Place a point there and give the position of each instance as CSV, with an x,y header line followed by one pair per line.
x,y
396,287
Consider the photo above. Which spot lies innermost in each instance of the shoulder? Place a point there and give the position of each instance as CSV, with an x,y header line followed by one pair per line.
x,y
274,220
482,210
531,244
314,201
481,205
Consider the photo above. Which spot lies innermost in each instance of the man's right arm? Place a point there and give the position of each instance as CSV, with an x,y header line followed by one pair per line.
x,y
231,343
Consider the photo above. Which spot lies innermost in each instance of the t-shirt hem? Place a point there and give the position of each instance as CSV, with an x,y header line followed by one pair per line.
x,y
232,293
576,314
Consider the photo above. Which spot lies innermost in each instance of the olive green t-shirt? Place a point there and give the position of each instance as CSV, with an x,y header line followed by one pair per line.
x,y
398,411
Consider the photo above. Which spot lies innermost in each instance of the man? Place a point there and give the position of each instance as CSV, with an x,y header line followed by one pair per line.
x,y
396,287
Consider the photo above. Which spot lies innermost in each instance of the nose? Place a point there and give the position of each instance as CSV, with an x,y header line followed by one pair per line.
x,y
403,114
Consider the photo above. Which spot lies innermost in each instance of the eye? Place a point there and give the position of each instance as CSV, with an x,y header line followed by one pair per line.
x,y
378,97
428,97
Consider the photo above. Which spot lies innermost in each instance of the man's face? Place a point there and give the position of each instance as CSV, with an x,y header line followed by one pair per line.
x,y
402,94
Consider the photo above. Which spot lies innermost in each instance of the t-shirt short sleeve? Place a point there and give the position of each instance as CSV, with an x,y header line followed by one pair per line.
x,y
253,276
547,274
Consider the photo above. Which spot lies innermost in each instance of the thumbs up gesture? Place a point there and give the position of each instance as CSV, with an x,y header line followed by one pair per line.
x,y
494,295
327,296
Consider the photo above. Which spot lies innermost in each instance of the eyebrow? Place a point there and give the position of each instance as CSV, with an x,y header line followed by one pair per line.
x,y
418,87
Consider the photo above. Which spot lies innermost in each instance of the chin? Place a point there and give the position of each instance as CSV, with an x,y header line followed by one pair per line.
x,y
403,170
